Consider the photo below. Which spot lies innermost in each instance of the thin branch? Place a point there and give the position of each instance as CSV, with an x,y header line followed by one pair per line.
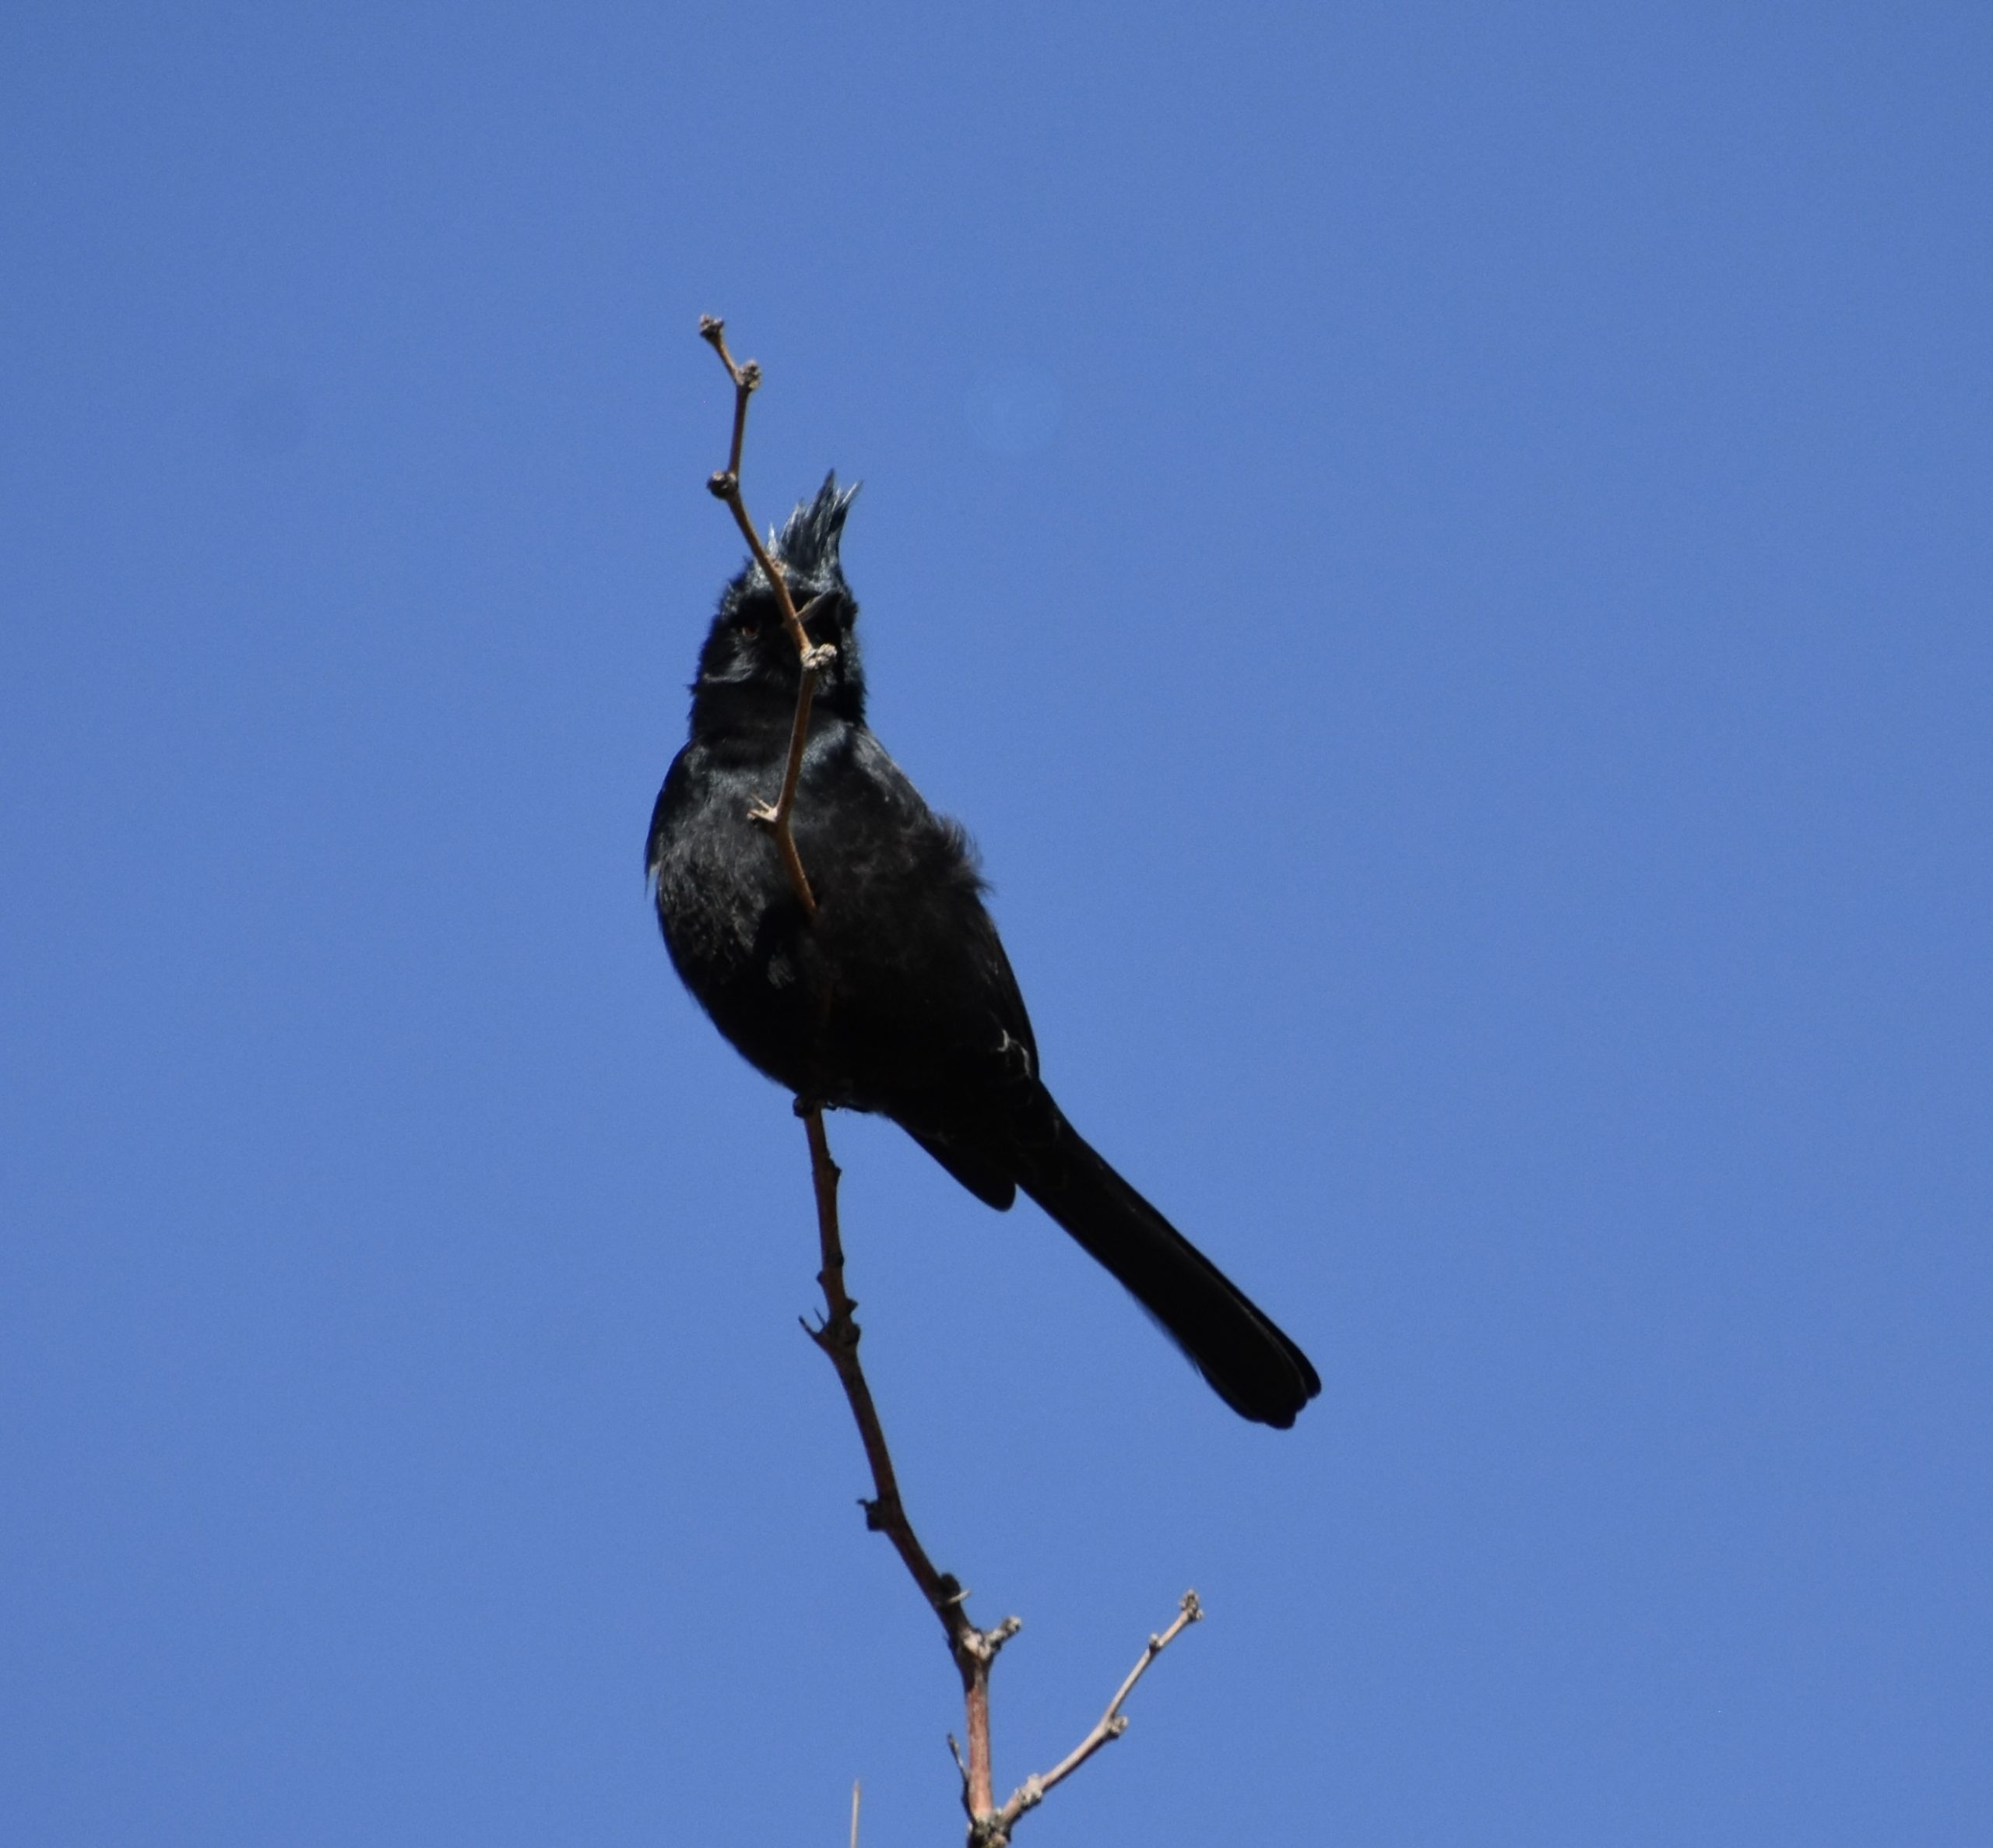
x,y
955,1752
838,1337
973,1649
1110,1726
747,378
726,486
776,815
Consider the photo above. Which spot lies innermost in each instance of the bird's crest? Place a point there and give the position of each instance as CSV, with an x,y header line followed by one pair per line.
x,y
807,544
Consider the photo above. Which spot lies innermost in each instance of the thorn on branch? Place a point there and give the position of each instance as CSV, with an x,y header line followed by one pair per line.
x,y
837,1337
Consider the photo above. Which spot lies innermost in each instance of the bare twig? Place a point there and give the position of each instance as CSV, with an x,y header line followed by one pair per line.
x,y
837,1336
974,1650
776,815
726,486
1110,1726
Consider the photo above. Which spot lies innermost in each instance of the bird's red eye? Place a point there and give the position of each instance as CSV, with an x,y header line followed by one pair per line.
x,y
749,631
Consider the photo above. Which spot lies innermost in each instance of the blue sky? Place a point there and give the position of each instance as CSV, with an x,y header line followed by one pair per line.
x,y
1441,553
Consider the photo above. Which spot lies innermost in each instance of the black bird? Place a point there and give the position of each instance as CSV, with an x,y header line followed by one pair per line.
x,y
898,997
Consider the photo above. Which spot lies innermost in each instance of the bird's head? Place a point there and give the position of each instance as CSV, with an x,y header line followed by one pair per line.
x,y
750,648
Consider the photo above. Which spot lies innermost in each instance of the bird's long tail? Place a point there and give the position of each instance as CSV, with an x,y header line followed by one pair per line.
x,y
1250,1364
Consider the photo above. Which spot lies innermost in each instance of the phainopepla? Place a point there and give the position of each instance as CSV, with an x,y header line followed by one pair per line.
x,y
897,997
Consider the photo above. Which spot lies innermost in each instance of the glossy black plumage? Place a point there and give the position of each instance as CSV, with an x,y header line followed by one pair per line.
x,y
898,998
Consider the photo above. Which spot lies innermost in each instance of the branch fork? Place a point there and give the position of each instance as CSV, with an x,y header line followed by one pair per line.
x,y
836,1333
974,1649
